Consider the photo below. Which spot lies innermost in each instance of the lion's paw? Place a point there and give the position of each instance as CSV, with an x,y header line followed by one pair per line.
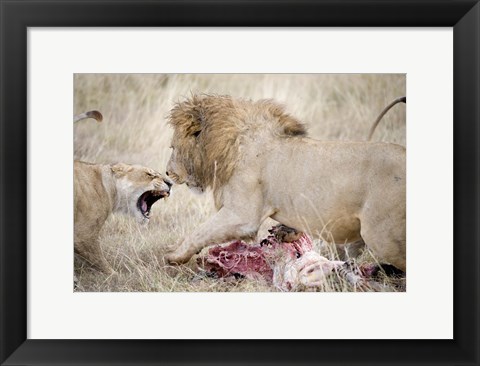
x,y
176,258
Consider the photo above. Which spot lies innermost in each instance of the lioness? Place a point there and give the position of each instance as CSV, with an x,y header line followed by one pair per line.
x,y
101,189
260,163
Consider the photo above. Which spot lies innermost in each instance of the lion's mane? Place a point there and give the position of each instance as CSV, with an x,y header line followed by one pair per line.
x,y
210,129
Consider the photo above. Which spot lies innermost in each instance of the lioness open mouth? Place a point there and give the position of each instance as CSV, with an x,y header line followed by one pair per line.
x,y
147,199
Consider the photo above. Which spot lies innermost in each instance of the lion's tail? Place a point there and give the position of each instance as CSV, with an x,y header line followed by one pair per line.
x,y
387,108
96,115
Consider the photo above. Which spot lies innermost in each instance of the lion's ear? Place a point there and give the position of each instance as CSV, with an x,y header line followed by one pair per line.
x,y
120,169
194,130
199,121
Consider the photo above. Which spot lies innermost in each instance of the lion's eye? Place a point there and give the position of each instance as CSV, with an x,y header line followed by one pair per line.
x,y
150,175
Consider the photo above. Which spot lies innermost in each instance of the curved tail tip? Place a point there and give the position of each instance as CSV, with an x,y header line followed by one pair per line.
x,y
95,115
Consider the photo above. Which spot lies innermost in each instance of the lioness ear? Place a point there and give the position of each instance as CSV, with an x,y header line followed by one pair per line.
x,y
120,169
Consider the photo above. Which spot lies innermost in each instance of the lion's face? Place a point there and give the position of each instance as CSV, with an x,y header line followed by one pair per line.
x,y
138,188
185,162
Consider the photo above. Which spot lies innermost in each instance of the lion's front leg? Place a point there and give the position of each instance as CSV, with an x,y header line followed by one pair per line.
x,y
225,225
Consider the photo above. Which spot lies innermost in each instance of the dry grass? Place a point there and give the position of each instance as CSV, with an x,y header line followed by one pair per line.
x,y
135,106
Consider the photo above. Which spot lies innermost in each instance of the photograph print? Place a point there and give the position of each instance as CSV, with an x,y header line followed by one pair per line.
x,y
239,182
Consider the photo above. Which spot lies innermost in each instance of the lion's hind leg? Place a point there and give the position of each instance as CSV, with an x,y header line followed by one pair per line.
x,y
387,240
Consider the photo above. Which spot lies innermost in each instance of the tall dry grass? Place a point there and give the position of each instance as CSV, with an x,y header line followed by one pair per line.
x,y
135,107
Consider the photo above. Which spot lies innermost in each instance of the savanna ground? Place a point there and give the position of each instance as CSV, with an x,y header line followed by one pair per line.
x,y
135,131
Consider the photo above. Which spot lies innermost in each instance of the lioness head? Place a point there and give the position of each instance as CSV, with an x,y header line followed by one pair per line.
x,y
209,131
138,188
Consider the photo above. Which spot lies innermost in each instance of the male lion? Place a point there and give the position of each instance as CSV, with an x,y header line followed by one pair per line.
x,y
260,163
103,189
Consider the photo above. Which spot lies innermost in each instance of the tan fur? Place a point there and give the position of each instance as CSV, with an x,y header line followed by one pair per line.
x,y
103,189
260,164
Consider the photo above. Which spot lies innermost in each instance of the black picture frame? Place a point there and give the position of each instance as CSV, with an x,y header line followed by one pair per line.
x,y
17,15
